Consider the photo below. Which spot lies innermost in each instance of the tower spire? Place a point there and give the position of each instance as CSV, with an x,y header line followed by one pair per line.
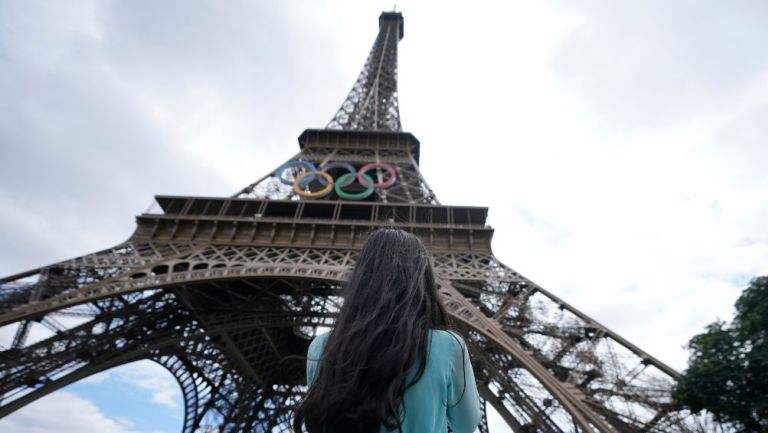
x,y
372,103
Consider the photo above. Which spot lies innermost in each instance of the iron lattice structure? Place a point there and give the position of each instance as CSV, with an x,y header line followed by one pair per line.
x,y
226,293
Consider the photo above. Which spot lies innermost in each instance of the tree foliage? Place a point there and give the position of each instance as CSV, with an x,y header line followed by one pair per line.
x,y
728,366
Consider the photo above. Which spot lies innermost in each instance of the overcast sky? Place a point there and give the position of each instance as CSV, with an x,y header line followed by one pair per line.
x,y
620,146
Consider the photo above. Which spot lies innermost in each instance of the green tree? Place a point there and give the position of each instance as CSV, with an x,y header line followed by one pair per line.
x,y
728,366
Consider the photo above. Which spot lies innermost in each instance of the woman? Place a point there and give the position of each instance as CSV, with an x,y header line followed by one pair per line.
x,y
390,363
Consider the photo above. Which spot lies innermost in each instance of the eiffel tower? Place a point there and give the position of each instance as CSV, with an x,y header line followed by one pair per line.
x,y
226,293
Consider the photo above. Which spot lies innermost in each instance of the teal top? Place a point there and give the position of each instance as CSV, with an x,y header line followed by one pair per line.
x,y
443,380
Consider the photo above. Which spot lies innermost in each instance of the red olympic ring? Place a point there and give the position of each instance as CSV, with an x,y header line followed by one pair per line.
x,y
382,184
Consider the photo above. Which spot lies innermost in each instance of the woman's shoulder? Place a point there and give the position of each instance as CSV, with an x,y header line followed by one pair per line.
x,y
321,335
445,333
318,342
447,337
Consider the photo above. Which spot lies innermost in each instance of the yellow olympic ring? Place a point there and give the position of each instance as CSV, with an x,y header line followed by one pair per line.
x,y
322,192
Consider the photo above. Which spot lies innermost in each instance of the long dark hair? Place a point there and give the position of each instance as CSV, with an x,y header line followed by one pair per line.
x,y
390,304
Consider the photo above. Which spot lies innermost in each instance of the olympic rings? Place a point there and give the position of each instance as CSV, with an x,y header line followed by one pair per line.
x,y
360,195
304,178
384,184
281,170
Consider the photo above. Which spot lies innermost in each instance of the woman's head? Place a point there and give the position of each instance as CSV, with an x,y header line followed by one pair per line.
x,y
392,281
390,304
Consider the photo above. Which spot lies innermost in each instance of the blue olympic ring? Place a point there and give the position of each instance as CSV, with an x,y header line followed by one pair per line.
x,y
283,168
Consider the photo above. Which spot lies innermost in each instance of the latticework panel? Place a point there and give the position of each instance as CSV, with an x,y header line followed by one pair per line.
x,y
82,271
210,262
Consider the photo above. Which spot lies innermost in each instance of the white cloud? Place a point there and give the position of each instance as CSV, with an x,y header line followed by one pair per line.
x,y
154,378
147,376
639,205
63,412
97,378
